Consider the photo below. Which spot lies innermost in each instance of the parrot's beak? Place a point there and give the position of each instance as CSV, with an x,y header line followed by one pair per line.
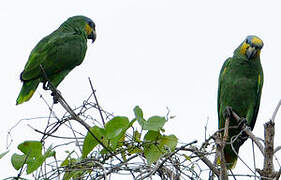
x,y
92,36
251,52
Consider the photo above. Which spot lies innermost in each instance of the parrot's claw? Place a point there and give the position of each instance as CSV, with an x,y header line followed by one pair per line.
x,y
227,112
45,86
241,123
56,96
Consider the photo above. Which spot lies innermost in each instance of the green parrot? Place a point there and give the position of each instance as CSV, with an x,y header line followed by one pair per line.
x,y
58,53
240,87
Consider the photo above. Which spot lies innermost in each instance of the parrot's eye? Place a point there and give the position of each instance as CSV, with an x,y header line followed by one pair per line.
x,y
247,41
91,24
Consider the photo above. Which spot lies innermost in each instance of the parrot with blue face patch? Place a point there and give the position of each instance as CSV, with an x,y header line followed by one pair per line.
x,y
240,88
58,53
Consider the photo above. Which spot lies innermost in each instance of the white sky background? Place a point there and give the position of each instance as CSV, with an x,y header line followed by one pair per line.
x,y
156,54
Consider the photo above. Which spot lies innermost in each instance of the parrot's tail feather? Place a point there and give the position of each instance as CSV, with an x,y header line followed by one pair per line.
x,y
230,159
27,90
229,165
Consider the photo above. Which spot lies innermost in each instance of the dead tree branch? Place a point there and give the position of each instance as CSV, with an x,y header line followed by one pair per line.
x,y
268,170
64,104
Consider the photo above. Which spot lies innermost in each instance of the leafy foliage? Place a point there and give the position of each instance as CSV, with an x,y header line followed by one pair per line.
x,y
32,156
141,149
90,142
119,135
153,144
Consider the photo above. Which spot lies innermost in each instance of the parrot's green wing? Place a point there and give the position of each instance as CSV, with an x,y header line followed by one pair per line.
x,y
257,104
229,154
222,72
56,53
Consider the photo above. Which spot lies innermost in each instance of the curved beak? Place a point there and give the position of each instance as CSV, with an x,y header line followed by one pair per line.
x,y
92,36
251,52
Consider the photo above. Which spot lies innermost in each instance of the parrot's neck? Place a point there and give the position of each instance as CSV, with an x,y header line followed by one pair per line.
x,y
238,54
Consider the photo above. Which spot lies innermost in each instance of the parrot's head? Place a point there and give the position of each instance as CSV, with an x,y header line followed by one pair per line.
x,y
90,28
85,24
251,47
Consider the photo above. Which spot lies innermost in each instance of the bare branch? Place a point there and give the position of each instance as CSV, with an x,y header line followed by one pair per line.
x,y
168,156
277,149
275,111
64,104
96,99
204,159
268,169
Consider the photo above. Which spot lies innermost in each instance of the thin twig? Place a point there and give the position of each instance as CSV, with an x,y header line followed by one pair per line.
x,y
204,159
275,111
278,174
96,99
114,168
277,149
223,170
21,169
254,158
168,156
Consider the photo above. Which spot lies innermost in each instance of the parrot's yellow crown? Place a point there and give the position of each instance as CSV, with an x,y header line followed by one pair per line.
x,y
254,41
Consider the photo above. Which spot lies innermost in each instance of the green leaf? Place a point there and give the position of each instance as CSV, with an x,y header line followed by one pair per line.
x,y
32,156
154,123
3,154
65,162
31,148
74,174
67,159
168,143
137,136
118,141
68,175
131,123
187,157
151,136
139,116
17,160
134,150
123,155
152,154
157,145
90,142
115,126
34,163
115,130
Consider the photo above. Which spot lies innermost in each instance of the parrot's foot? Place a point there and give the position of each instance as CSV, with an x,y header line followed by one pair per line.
x,y
241,123
45,86
56,95
227,112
